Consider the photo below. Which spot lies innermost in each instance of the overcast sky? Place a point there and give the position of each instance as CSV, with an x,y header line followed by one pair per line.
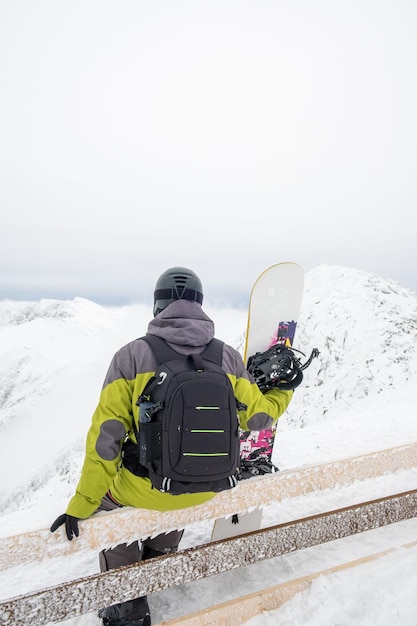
x,y
223,135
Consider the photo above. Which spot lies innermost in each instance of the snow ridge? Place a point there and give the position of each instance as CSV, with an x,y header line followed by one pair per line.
x,y
366,330
55,354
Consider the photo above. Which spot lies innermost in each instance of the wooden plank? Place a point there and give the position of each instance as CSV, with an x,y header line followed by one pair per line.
x,y
91,593
240,610
127,525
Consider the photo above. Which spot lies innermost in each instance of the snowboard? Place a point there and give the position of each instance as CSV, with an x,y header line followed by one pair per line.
x,y
274,307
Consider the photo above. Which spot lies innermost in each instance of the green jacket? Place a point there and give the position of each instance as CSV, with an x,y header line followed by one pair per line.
x,y
186,328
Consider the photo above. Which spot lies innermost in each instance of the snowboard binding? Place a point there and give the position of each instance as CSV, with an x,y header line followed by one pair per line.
x,y
278,367
256,464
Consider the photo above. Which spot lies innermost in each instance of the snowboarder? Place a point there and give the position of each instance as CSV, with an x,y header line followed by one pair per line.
x,y
105,482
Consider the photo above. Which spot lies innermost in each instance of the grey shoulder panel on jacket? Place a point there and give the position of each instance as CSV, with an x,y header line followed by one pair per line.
x,y
134,358
233,362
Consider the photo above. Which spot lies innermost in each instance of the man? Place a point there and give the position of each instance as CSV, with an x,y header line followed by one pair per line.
x,y
106,483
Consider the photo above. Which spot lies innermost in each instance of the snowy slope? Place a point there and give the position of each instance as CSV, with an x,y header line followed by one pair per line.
x,y
52,364
366,330
359,396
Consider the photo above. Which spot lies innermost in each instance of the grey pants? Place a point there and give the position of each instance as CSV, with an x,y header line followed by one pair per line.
x,y
124,554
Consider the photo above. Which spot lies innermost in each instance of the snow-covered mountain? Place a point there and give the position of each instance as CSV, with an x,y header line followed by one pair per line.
x,y
54,355
366,330
358,396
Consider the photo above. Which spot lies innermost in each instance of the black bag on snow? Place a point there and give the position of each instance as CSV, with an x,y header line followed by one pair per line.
x,y
188,432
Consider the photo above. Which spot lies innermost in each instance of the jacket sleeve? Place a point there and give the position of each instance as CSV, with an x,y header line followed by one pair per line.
x,y
111,421
263,410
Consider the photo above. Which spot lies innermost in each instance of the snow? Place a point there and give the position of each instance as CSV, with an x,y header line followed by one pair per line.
x,y
358,397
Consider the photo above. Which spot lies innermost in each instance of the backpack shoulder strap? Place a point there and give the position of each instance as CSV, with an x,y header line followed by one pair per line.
x,y
162,352
160,348
214,351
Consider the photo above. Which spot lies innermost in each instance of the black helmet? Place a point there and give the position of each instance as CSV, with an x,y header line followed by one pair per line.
x,y
177,283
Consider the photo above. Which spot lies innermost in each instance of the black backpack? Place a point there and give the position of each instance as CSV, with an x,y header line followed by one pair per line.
x,y
188,436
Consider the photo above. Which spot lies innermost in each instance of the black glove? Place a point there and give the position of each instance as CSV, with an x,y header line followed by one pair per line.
x,y
71,525
276,368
